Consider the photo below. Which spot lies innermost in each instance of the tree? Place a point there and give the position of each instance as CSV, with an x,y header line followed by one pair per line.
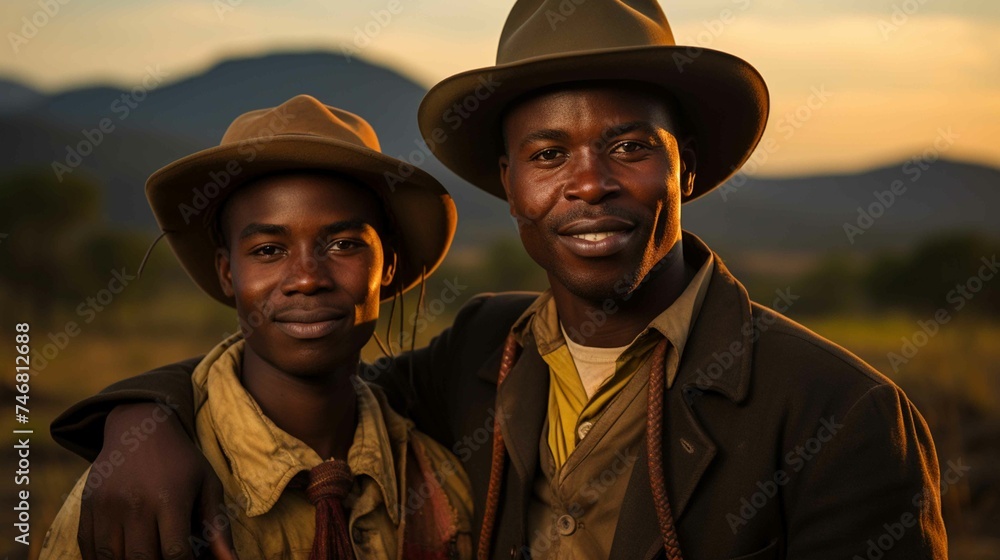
x,y
45,221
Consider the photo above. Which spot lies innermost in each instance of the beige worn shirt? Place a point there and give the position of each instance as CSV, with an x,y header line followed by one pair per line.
x,y
591,443
260,466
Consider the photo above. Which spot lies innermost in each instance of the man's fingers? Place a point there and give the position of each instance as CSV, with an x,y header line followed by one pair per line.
x,y
85,532
175,533
215,523
110,545
141,538
222,546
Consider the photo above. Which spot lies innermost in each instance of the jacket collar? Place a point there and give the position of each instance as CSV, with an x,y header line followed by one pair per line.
x,y
719,349
717,359
521,407
723,324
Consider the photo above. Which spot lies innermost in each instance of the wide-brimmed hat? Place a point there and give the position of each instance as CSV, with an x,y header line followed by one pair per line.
x,y
723,99
300,134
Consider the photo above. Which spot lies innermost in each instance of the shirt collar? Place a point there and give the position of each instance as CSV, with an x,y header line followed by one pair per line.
x,y
676,321
264,459
379,431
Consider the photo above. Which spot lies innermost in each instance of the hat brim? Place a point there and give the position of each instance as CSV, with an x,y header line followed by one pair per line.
x,y
723,98
185,195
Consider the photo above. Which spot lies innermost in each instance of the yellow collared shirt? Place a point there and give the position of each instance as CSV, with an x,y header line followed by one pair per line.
x,y
571,411
257,462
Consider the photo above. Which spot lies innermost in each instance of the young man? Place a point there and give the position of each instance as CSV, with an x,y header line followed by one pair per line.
x,y
304,241
644,406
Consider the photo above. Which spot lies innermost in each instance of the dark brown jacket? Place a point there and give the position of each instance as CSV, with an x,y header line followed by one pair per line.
x,y
777,442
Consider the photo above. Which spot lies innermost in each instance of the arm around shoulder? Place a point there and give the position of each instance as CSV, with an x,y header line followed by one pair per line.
x,y
81,428
421,384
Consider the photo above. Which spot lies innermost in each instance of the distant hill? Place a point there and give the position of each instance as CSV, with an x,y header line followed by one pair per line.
x,y
15,97
193,112
185,114
810,213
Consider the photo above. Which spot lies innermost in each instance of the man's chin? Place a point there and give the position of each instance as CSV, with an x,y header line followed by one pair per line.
x,y
598,289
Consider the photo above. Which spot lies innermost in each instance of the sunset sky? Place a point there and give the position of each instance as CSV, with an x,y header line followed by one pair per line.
x,y
852,86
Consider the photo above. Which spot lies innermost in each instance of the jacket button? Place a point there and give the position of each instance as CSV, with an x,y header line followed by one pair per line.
x,y
584,429
566,525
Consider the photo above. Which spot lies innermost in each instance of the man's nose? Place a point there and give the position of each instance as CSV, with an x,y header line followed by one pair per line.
x,y
591,178
308,272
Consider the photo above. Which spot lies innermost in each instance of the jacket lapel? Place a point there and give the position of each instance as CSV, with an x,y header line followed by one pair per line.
x,y
522,404
688,450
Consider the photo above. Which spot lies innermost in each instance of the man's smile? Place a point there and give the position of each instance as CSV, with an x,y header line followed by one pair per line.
x,y
600,236
308,324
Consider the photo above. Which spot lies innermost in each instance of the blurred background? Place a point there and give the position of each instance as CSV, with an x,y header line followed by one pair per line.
x,y
868,199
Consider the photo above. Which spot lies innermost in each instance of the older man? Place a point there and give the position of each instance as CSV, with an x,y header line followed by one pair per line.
x,y
643,406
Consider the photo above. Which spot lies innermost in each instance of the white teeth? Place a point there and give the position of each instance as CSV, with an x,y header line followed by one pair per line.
x,y
598,236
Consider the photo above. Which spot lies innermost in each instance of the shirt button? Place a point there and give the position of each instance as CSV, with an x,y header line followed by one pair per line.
x,y
584,429
566,525
357,535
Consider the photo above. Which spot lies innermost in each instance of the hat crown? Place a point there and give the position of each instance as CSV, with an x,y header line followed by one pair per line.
x,y
302,115
537,28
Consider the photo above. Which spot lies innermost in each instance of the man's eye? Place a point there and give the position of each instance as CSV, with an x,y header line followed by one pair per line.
x,y
267,250
344,245
547,155
628,147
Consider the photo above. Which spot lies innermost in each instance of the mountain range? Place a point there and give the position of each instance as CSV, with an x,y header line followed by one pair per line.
x,y
145,129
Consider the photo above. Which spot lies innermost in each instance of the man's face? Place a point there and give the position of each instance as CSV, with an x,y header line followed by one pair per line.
x,y
594,178
305,263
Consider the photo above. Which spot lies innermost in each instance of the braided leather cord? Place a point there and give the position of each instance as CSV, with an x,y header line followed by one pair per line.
x,y
654,456
510,351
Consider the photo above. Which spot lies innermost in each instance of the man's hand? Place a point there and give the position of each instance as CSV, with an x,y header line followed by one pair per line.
x,y
156,497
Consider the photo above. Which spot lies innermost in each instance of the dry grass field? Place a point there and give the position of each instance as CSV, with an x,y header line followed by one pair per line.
x,y
954,379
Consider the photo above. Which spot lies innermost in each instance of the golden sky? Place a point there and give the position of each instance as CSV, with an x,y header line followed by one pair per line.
x,y
852,86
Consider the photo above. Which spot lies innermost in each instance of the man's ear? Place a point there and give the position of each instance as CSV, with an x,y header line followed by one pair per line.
x,y
504,163
689,165
225,272
388,265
